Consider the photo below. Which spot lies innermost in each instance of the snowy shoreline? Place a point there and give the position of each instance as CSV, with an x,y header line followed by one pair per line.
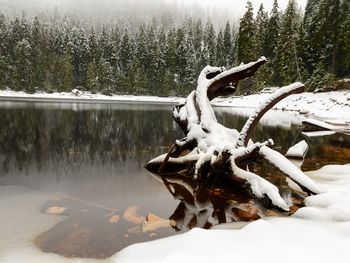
x,y
328,105
83,97
318,232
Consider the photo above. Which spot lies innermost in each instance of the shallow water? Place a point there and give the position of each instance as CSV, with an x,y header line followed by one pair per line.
x,y
88,160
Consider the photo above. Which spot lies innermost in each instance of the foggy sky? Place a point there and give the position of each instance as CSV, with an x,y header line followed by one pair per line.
x,y
219,11
238,6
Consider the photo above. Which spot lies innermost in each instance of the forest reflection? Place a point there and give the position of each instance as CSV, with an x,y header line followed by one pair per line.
x,y
63,138
90,157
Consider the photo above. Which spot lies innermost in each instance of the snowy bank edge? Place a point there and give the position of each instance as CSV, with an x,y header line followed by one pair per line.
x,y
328,105
323,223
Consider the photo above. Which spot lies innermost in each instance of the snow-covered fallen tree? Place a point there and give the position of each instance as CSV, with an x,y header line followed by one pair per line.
x,y
210,148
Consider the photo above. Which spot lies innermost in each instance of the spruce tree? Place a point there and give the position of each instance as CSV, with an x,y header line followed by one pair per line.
x,y
289,62
347,43
263,75
4,60
23,74
220,50
323,22
272,36
247,49
262,20
228,45
209,44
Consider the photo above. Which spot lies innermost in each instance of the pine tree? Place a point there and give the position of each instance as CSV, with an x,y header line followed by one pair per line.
x,y
60,75
272,35
228,45
141,60
106,79
39,56
79,50
198,43
170,78
273,29
152,61
190,74
347,43
289,62
323,23
263,75
23,76
247,46
162,62
208,54
126,62
220,59
4,60
247,49
262,20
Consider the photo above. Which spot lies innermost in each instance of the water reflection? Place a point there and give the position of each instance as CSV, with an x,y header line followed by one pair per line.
x,y
92,157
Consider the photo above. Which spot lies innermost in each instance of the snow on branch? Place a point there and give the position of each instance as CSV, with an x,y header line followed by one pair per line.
x,y
210,148
280,94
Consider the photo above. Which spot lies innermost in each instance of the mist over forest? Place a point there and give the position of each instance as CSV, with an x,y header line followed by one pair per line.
x,y
159,47
121,12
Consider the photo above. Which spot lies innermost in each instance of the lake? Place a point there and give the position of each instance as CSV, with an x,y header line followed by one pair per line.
x,y
85,163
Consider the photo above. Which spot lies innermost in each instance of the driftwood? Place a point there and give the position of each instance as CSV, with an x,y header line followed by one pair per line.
x,y
210,148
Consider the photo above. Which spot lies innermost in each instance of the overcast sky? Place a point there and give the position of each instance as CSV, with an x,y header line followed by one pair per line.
x,y
219,11
238,6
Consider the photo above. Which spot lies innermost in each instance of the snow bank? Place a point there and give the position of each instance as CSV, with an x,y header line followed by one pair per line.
x,y
270,240
327,105
319,232
83,96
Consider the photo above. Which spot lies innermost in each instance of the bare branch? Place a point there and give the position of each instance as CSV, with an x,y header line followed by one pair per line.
x,y
251,123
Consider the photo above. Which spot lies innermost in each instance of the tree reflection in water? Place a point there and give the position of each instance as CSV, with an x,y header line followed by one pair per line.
x,y
213,202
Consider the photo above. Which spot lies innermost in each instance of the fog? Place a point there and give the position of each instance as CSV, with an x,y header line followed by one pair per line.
x,y
105,11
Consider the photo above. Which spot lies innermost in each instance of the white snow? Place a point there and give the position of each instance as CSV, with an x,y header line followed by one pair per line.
x,y
298,151
331,106
83,96
327,105
318,133
288,168
260,186
319,233
263,107
320,124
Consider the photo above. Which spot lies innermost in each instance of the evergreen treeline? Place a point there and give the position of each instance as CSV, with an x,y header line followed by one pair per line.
x,y
164,59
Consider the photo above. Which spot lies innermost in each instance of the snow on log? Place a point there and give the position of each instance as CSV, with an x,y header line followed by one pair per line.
x,y
318,133
316,125
298,151
210,148
259,186
277,96
217,84
285,166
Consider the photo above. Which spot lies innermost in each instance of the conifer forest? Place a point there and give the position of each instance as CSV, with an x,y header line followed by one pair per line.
x,y
163,57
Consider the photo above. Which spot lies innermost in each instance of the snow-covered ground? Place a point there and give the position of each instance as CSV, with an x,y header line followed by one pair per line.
x,y
328,105
319,232
83,96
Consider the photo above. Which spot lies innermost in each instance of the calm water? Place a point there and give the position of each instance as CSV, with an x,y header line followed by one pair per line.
x,y
90,158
